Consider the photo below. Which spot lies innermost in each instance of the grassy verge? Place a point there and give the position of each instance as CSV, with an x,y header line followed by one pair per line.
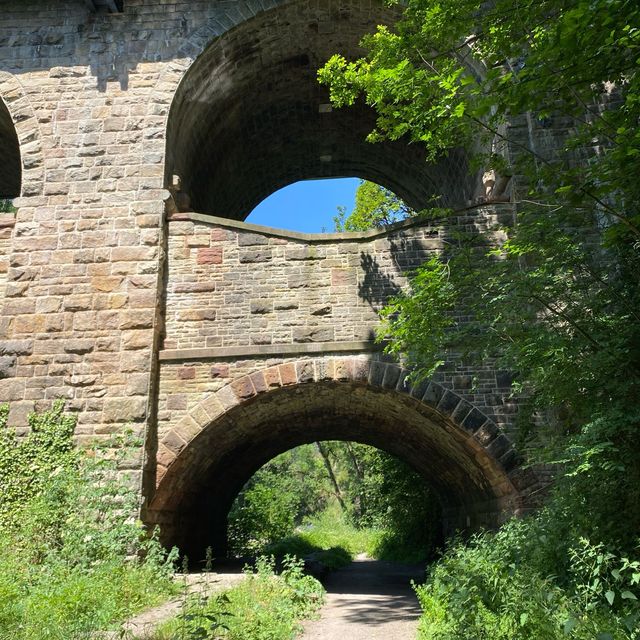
x,y
266,606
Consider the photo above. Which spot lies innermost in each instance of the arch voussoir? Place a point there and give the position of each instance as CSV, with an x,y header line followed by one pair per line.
x,y
27,129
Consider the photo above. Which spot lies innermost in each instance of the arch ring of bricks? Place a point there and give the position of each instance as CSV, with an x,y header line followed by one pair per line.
x,y
374,373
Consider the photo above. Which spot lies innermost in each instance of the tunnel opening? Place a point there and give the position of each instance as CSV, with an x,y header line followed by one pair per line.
x,y
249,118
340,497
201,470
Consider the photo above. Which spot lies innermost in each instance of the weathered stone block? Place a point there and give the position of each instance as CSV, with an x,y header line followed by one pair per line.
x,y
343,277
243,388
305,371
177,402
16,347
219,371
433,394
448,403
227,398
7,366
313,334
261,306
194,287
377,373
137,339
250,239
250,256
139,319
79,346
287,374
474,420
124,409
186,373
391,376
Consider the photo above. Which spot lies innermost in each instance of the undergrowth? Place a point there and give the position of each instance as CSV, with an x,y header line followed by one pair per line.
x,y
569,572
265,606
73,559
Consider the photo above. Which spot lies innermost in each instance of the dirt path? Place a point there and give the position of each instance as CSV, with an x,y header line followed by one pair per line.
x,y
368,600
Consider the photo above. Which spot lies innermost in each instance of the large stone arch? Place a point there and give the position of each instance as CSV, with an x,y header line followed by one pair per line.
x,y
203,461
248,116
23,161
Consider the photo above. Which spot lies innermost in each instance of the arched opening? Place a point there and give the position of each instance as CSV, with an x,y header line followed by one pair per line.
x,y
451,444
249,118
336,495
10,167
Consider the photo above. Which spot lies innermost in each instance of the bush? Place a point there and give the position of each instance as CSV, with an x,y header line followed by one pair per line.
x,y
265,606
534,578
73,559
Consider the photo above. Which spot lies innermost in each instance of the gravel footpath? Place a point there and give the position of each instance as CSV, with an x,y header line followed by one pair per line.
x,y
368,600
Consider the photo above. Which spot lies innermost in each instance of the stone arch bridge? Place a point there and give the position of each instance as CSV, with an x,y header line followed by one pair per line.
x,y
135,137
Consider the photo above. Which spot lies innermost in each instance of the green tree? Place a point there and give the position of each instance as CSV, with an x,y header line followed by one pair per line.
x,y
555,300
375,206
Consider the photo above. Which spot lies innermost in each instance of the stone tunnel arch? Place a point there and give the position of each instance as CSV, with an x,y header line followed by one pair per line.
x,y
205,459
10,167
22,167
249,117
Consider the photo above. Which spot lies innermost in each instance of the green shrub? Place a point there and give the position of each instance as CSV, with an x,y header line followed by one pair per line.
x,y
503,586
265,606
73,559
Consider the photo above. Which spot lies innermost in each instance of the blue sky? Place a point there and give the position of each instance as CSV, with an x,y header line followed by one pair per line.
x,y
306,206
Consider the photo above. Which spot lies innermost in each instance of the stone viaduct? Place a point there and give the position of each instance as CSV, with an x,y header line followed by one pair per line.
x,y
135,136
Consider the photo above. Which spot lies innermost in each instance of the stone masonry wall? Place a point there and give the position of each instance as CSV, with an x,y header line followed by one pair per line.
x,y
89,95
241,297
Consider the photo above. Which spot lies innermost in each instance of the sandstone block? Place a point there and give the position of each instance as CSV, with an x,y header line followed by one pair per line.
x,y
78,346
16,347
106,283
124,409
243,388
194,287
210,255
343,277
140,319
177,401
255,255
250,239
7,366
137,339
261,306
313,334
219,371
288,374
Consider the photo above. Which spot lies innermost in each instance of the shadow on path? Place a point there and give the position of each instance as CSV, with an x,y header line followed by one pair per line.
x,y
368,600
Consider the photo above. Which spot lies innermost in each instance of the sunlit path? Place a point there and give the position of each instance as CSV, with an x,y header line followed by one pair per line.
x,y
368,600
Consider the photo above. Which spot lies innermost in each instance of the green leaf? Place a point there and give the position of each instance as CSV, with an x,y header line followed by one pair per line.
x,y
610,596
569,626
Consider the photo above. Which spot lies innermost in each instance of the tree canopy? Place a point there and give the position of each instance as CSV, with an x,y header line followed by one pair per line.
x,y
375,206
547,92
